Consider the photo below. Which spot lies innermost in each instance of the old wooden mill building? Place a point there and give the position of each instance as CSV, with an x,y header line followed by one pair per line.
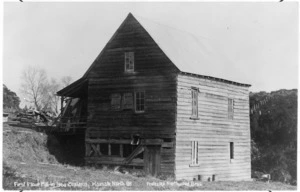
x,y
144,102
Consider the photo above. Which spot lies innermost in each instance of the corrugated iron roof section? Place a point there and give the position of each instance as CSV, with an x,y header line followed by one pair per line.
x,y
191,54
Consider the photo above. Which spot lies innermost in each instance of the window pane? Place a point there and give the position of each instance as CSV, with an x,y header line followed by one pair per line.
x,y
194,103
129,61
230,108
115,101
194,152
127,101
139,101
231,150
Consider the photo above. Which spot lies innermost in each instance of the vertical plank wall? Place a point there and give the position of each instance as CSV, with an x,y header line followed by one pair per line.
x,y
213,130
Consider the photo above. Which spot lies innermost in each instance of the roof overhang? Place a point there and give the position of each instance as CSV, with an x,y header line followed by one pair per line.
x,y
77,89
216,79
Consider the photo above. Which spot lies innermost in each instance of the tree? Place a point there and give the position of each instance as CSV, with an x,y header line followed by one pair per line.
x,y
34,85
51,100
274,134
10,99
66,80
41,91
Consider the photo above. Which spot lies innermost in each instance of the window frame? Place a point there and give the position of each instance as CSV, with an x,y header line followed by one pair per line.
x,y
129,55
195,109
114,96
135,101
230,109
129,95
231,151
194,154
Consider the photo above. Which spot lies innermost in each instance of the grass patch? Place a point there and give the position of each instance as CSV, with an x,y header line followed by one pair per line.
x,y
27,159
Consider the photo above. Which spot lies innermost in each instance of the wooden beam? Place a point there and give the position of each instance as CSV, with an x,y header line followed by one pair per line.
x,y
152,141
112,141
88,150
136,152
96,149
61,103
114,161
91,152
125,141
76,123
167,144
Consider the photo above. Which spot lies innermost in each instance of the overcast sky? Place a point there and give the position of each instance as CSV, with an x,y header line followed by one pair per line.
x,y
65,38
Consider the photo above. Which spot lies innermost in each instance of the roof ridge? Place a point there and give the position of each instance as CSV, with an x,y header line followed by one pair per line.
x,y
189,52
171,27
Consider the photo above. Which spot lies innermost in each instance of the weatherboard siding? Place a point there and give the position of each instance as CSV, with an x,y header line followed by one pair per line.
x,y
153,73
213,130
158,120
168,104
149,59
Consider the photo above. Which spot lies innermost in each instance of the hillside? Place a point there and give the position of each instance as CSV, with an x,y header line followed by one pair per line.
x,y
10,99
274,134
28,157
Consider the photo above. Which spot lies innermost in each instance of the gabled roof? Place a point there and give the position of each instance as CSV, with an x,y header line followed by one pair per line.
x,y
191,54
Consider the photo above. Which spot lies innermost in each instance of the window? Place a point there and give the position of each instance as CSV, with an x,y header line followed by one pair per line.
x,y
230,108
127,102
194,153
115,149
139,101
116,101
129,61
194,103
231,150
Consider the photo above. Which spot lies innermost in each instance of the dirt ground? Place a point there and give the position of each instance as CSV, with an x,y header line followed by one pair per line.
x,y
27,164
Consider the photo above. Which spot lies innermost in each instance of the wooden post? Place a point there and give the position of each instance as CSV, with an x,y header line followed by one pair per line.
x,y
61,103
87,149
146,160
98,149
109,149
121,150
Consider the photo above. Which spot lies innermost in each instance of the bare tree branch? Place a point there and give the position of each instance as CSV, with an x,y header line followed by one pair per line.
x,y
34,81
66,80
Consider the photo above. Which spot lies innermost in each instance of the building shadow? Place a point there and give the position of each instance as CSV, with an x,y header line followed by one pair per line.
x,y
67,149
